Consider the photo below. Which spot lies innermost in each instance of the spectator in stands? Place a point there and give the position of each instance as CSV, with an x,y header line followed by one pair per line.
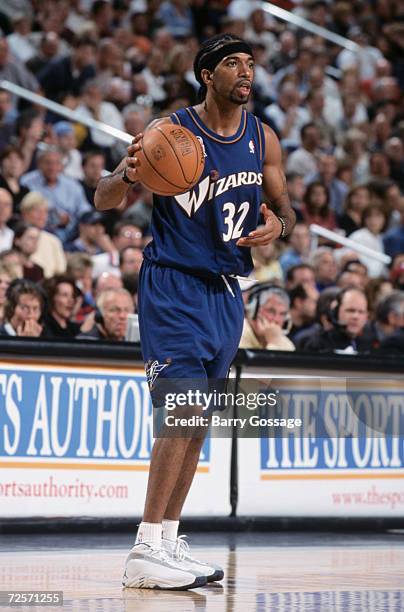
x,y
24,309
79,268
377,289
6,209
25,241
92,238
300,274
303,303
62,296
325,267
394,239
322,320
13,70
67,201
11,170
389,316
19,42
49,253
299,248
286,115
29,131
67,143
177,18
130,261
397,271
394,149
49,49
124,234
374,222
304,160
327,175
6,276
114,306
267,319
6,122
349,316
316,206
93,168
285,53
296,189
357,200
68,74
266,263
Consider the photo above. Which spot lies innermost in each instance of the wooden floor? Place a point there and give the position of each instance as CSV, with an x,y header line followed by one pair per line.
x,y
289,572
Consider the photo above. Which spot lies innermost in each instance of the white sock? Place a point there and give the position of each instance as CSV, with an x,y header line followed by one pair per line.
x,y
170,529
149,533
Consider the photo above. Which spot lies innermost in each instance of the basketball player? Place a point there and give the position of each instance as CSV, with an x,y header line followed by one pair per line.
x,y
190,304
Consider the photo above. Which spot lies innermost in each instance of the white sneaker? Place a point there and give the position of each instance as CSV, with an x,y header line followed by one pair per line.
x,y
180,552
148,567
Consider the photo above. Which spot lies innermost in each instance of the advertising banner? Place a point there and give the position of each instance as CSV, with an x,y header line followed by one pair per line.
x,y
76,441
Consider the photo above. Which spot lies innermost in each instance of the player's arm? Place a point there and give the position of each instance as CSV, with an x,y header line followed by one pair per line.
x,y
112,189
274,186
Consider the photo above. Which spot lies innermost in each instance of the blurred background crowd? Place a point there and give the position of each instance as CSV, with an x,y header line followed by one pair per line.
x,y
68,271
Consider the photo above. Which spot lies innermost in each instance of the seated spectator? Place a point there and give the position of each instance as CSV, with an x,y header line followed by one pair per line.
x,y
394,239
93,168
322,319
266,264
130,261
24,310
49,253
377,289
92,238
6,209
6,276
12,259
355,266
327,170
370,235
6,122
349,316
296,189
69,73
356,201
67,143
177,17
79,268
29,129
11,169
13,70
304,159
389,323
349,278
114,306
316,208
62,296
267,319
325,267
66,198
124,234
300,274
286,115
394,149
298,251
303,303
25,242
48,50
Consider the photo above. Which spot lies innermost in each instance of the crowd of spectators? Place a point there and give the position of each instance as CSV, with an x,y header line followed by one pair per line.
x,y
68,271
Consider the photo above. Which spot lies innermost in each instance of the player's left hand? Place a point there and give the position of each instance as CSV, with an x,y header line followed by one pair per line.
x,y
266,234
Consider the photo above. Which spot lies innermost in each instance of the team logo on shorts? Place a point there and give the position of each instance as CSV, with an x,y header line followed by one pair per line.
x,y
251,146
153,369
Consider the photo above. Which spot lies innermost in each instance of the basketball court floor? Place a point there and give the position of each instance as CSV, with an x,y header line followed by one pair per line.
x,y
290,572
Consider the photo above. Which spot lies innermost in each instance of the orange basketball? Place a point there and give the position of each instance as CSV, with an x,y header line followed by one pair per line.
x,y
171,160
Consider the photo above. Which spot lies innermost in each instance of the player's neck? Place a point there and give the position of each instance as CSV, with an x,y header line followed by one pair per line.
x,y
223,120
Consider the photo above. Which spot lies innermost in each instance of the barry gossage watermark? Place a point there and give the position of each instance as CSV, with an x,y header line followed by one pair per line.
x,y
251,408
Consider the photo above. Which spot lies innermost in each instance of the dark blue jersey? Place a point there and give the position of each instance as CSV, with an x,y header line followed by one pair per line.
x,y
197,231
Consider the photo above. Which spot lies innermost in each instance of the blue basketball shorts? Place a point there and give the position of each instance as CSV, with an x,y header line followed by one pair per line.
x,y
190,327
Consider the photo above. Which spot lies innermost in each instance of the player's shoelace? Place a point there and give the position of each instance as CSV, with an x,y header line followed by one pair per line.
x,y
182,550
159,553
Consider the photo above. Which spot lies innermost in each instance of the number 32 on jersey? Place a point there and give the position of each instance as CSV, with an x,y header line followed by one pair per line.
x,y
234,220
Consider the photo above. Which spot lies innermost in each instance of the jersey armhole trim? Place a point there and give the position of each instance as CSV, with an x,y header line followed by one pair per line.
x,y
174,117
261,138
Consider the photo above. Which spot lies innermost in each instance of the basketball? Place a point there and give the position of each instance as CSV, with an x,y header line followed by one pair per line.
x,y
171,160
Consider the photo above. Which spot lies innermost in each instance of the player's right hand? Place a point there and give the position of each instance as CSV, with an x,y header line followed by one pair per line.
x,y
131,160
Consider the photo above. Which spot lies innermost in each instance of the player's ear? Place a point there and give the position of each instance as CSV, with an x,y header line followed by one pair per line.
x,y
206,75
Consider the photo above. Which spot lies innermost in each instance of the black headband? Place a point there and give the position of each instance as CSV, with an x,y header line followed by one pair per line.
x,y
210,59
